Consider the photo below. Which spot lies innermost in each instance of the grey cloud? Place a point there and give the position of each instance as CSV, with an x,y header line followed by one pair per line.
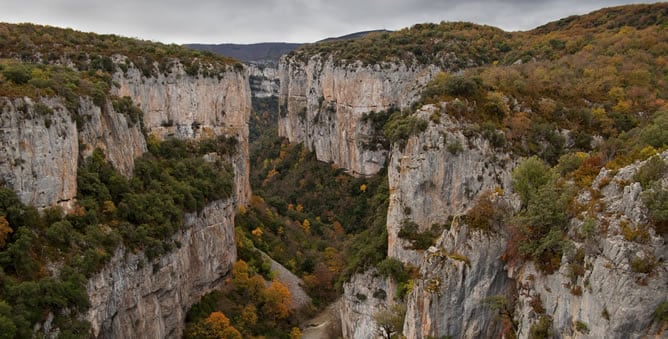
x,y
215,21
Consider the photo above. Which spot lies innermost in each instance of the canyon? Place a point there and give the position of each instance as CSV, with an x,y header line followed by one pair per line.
x,y
607,276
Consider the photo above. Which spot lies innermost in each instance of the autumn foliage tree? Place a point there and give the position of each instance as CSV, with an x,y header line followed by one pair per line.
x,y
277,300
215,326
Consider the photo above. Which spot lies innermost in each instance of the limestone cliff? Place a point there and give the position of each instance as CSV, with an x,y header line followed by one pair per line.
x,y
429,184
136,298
465,289
264,79
41,140
193,106
437,175
457,278
41,146
598,292
321,103
364,295
434,179
594,293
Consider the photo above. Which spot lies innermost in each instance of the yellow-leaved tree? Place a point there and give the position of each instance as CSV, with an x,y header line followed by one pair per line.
x,y
5,230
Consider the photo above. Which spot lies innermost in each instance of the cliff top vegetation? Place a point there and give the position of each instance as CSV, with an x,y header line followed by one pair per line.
x,y
90,51
456,45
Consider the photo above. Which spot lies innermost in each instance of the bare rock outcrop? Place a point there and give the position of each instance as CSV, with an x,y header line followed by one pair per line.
x,y
364,295
438,175
133,297
264,79
458,277
601,289
321,103
42,143
194,107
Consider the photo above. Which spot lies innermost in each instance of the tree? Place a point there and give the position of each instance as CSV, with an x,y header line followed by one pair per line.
x,y
295,333
7,326
249,316
528,177
277,300
390,320
5,230
218,326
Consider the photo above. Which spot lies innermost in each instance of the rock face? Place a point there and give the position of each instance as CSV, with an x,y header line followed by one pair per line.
x,y
41,141
264,79
41,147
113,133
600,289
135,298
186,106
457,277
608,298
438,175
364,295
321,104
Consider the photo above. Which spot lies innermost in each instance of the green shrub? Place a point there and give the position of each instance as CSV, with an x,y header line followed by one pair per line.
x,y
125,106
17,73
541,329
651,171
455,147
42,109
402,126
528,177
656,133
656,201
569,162
643,265
661,312
391,267
419,240
581,327
462,86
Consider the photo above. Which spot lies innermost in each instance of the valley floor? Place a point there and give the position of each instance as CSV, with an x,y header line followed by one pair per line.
x,y
322,325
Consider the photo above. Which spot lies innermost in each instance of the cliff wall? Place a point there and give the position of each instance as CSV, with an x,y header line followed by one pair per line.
x,y
133,297
321,103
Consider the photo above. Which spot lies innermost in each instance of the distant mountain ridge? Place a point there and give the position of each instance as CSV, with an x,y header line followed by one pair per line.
x,y
267,51
354,35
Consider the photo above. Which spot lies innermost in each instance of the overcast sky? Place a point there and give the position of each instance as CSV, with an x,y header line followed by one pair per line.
x,y
249,21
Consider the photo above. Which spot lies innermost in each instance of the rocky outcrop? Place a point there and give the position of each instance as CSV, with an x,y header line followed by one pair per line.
x,y
364,295
186,106
41,141
596,292
458,277
264,79
41,146
321,104
438,175
120,140
133,297
464,289
599,291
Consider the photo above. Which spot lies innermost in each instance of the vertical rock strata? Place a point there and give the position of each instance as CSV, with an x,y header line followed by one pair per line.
x,y
135,298
321,104
195,107
41,145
